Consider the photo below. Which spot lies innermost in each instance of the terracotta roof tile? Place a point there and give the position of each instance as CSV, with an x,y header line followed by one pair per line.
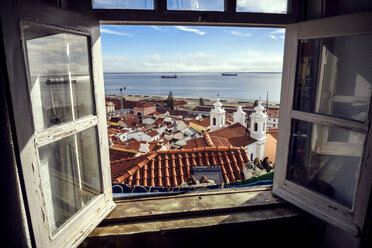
x,y
234,135
117,103
173,167
117,153
206,122
143,105
131,145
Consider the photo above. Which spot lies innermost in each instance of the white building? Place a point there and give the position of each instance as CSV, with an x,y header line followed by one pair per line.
x,y
240,117
144,135
217,116
258,129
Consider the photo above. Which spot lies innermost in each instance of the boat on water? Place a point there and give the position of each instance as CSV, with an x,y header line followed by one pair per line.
x,y
169,76
229,73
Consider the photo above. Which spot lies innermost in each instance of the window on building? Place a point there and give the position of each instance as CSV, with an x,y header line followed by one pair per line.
x,y
263,6
61,138
201,5
206,80
328,124
315,130
123,4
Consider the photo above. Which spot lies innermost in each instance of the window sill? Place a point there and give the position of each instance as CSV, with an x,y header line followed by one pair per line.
x,y
194,210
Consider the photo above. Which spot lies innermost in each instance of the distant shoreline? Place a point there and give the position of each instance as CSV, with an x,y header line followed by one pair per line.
x,y
193,98
253,72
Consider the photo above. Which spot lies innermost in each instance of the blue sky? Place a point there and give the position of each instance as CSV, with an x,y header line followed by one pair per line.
x,y
191,49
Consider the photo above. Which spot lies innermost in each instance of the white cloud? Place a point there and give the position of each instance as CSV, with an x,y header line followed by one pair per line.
x,y
279,31
155,27
193,30
277,34
273,37
248,60
155,57
240,34
108,31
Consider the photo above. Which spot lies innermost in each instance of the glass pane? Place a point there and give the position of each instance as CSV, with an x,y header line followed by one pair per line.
x,y
325,159
123,4
262,6
60,81
201,5
334,76
70,175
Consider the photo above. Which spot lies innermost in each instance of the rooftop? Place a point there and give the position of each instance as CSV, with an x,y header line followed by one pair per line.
x,y
203,122
118,154
173,167
236,134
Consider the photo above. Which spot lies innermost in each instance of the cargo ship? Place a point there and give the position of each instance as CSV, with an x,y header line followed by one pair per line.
x,y
229,73
169,76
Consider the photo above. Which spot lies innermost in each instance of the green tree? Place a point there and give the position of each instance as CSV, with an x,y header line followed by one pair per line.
x,y
201,101
170,100
255,103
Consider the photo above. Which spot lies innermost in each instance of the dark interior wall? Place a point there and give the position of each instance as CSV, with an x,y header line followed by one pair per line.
x,y
316,9
14,229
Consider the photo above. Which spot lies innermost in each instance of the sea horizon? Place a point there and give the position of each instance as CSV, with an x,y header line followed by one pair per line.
x,y
245,86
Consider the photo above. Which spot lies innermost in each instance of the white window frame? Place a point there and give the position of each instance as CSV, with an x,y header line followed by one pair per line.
x,y
75,230
351,220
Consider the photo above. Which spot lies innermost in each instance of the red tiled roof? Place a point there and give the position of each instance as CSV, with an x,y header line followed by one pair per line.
x,y
131,121
150,132
228,109
180,103
158,121
203,108
154,145
117,103
173,167
206,122
235,135
132,145
141,105
172,112
117,154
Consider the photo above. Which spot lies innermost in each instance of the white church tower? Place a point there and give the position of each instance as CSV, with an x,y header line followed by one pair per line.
x,y
258,129
217,116
240,116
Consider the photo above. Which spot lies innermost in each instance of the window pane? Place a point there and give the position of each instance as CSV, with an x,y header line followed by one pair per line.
x,y
323,158
70,175
201,5
262,6
334,76
123,4
60,82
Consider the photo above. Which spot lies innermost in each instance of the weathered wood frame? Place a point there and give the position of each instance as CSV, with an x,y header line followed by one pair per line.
x,y
160,15
28,141
324,208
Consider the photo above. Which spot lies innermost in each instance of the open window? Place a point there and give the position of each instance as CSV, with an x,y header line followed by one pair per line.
x,y
59,113
324,121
